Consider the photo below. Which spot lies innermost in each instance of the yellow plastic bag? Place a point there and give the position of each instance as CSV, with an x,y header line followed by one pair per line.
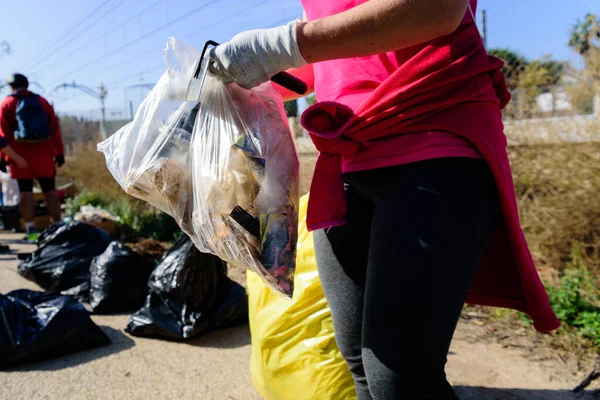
x,y
294,353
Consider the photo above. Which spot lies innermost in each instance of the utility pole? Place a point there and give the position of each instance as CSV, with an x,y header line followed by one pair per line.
x,y
484,27
102,96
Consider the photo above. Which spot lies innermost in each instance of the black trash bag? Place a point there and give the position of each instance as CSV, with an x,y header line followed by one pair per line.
x,y
81,293
37,325
65,252
119,280
190,293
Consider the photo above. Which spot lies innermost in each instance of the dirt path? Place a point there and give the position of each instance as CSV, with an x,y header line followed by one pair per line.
x,y
215,366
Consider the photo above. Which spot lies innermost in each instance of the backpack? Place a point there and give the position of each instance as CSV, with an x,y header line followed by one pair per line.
x,y
33,124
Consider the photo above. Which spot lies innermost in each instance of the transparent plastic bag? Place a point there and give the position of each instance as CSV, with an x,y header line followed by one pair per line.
x,y
225,167
149,157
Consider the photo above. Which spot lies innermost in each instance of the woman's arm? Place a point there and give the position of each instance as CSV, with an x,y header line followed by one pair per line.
x,y
304,73
378,26
252,57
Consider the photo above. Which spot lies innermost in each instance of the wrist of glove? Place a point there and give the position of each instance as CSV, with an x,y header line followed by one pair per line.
x,y
60,160
253,57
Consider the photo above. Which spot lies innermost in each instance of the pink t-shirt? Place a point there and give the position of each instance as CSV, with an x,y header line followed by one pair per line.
x,y
350,81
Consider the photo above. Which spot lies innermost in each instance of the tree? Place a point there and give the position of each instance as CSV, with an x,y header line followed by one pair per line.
x,y
514,65
542,72
585,40
537,78
585,35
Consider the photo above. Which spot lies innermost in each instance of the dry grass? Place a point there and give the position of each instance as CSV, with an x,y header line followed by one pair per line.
x,y
87,168
557,188
558,192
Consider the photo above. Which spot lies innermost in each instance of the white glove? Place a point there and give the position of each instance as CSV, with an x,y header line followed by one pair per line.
x,y
253,57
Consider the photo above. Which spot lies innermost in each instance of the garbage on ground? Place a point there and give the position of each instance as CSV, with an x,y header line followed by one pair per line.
x,y
294,352
119,280
36,326
189,293
148,248
10,190
81,292
225,167
99,218
64,255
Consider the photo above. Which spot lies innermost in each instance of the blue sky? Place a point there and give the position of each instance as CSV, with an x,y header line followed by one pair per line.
x,y
121,43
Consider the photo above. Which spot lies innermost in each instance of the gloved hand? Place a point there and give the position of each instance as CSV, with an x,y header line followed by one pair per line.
x,y
3,165
59,160
253,57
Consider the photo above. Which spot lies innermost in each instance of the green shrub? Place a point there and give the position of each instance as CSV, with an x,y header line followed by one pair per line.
x,y
146,221
575,300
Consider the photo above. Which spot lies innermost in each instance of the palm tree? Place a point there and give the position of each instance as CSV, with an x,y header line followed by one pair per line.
x,y
585,35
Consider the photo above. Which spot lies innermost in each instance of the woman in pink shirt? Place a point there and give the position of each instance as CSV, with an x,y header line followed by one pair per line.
x,y
412,197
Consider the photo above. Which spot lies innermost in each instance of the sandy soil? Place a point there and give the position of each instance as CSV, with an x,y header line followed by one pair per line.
x,y
215,366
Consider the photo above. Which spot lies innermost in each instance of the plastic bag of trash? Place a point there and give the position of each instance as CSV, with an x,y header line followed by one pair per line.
x,y
37,325
10,190
81,292
190,293
119,280
294,352
225,167
64,255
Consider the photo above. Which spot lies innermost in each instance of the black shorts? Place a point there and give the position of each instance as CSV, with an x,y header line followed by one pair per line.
x,y
46,184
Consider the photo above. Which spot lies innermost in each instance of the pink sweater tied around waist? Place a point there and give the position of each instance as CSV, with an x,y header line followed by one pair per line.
x,y
450,85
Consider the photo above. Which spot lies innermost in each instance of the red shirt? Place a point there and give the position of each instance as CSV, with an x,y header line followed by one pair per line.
x,y
40,155
350,81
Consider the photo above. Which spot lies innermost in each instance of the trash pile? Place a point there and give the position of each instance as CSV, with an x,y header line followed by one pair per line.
x,y
64,255
185,294
223,165
118,279
189,293
36,326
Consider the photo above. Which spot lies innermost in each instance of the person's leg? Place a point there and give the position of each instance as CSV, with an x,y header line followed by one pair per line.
x,y
342,254
431,224
26,201
48,186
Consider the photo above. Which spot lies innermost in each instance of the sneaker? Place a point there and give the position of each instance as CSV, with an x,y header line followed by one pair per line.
x,y
30,238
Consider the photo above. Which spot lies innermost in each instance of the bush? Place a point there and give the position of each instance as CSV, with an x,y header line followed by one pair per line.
x,y
145,221
575,300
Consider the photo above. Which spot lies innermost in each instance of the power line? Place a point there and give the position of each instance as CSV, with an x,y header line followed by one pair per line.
x,y
203,28
101,36
125,46
114,84
87,28
49,51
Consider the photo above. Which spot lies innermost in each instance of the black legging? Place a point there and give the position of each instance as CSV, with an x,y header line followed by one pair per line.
x,y
397,274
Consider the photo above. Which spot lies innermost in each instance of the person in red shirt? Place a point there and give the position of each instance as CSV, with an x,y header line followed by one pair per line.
x,y
412,199
41,156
